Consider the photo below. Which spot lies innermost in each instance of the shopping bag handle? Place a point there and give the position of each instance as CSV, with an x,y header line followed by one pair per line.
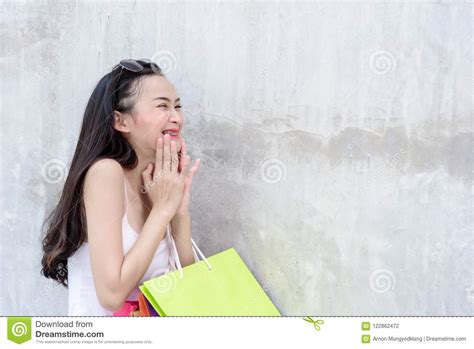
x,y
196,258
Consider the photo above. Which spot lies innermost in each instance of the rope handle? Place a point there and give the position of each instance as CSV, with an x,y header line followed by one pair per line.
x,y
194,247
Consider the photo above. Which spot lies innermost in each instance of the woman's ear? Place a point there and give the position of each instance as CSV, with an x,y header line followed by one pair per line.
x,y
120,124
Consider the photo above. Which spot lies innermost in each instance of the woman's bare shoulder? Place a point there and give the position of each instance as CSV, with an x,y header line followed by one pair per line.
x,y
103,197
106,165
104,172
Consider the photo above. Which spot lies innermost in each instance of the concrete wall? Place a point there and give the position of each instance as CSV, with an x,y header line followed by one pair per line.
x,y
335,138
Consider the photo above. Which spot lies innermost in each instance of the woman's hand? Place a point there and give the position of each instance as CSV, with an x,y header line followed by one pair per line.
x,y
183,209
163,183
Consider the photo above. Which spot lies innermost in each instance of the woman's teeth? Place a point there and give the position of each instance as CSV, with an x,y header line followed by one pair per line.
x,y
172,134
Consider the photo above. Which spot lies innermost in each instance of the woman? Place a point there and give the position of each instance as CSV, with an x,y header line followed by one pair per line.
x,y
128,186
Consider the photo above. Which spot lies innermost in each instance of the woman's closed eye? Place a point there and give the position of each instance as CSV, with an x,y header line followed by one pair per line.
x,y
165,106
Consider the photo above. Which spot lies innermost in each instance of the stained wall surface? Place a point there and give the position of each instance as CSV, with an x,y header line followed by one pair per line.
x,y
335,138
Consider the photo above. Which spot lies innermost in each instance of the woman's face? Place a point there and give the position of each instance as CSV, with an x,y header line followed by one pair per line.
x,y
157,109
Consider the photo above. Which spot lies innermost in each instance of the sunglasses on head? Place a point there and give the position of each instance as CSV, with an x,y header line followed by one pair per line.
x,y
137,65
133,65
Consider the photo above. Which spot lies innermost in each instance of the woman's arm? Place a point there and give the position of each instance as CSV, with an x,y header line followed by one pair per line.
x,y
181,228
181,222
116,275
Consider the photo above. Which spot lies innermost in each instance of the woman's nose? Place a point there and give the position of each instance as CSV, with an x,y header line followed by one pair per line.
x,y
175,116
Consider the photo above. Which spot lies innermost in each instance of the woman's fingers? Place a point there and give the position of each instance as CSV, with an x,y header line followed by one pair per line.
x,y
166,154
183,155
174,157
194,168
198,165
159,158
184,167
146,176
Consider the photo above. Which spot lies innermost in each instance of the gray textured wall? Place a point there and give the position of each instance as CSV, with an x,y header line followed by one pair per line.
x,y
336,142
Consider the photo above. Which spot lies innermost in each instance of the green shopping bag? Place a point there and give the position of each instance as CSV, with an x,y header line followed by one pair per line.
x,y
217,286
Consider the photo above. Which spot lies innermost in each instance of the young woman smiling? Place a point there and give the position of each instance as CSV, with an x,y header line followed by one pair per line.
x,y
126,197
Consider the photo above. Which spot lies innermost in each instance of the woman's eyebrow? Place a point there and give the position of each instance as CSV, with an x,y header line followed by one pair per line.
x,y
166,99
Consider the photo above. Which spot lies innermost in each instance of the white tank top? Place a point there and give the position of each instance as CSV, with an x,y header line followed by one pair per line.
x,y
81,290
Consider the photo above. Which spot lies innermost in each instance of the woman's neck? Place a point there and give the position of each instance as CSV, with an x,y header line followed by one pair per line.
x,y
135,180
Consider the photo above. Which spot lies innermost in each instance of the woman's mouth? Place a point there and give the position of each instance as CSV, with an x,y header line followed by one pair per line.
x,y
174,134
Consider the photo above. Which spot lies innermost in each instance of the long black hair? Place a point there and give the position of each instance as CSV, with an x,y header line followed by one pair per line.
x,y
98,139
